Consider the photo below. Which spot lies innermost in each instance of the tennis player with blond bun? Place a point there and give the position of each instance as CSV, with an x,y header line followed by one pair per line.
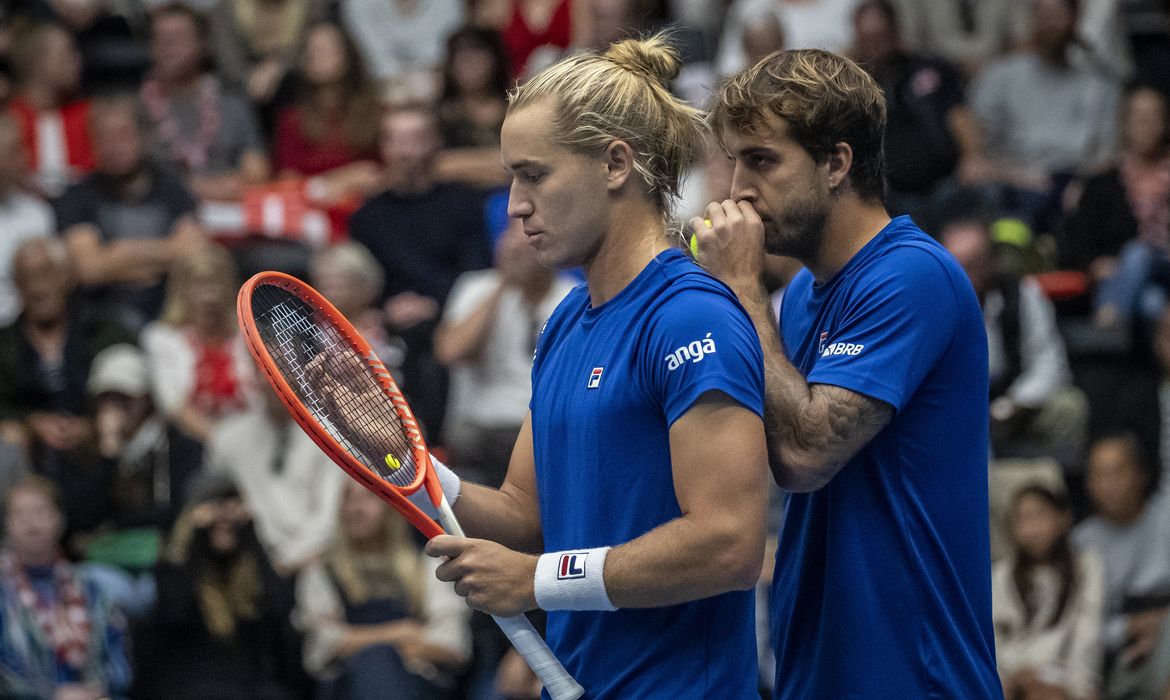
x,y
876,395
640,472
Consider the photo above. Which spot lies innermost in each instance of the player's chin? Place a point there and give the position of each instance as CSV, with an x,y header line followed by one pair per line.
x,y
775,241
549,259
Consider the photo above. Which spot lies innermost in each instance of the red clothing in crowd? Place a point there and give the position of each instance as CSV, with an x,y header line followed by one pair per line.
x,y
521,40
76,147
295,151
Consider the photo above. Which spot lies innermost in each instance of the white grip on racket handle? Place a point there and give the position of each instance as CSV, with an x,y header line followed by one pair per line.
x,y
524,637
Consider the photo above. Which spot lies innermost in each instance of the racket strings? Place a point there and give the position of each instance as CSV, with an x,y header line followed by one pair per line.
x,y
334,382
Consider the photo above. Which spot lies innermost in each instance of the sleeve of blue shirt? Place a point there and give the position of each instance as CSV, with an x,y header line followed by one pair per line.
x,y
699,341
898,322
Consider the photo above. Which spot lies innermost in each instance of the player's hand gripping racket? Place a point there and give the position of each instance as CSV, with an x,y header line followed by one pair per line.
x,y
342,396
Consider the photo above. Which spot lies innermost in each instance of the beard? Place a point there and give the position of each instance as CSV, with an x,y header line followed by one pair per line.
x,y
797,231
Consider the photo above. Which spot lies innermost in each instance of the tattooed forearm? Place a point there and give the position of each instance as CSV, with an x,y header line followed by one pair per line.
x,y
812,431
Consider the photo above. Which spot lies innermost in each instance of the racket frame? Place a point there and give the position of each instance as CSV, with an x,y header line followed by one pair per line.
x,y
557,681
393,495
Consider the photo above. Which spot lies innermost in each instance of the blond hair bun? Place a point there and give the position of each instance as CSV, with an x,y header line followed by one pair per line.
x,y
652,57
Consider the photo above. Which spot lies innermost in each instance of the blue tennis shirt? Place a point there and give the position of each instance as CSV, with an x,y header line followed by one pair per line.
x,y
882,586
607,383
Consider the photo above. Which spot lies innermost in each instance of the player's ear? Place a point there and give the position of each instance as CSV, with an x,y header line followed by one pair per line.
x,y
619,164
840,161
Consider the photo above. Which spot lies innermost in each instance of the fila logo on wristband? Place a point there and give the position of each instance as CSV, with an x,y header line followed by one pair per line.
x,y
572,565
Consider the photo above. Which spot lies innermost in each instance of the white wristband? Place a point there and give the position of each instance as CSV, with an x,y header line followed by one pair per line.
x,y
572,580
450,483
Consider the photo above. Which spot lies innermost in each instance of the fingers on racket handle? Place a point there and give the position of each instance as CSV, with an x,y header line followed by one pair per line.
x,y
557,681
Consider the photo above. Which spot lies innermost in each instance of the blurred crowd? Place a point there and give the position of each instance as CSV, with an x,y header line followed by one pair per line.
x,y
170,533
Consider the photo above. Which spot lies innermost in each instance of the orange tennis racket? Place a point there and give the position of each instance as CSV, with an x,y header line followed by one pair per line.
x,y
343,397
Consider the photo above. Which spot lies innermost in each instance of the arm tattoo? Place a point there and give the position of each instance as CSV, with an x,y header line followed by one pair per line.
x,y
850,421
854,419
812,430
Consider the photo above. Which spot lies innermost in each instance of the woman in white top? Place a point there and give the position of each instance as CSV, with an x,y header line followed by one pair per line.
x,y
1046,604
377,622
199,366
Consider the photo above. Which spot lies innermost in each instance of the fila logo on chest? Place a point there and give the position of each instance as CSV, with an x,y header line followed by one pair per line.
x,y
595,378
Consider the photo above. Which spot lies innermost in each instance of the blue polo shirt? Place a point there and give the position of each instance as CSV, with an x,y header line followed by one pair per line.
x,y
608,382
882,586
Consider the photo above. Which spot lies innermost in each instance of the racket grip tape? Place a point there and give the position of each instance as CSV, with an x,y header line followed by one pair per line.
x,y
524,637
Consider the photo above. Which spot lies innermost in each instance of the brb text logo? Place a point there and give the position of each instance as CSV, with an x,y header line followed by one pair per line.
x,y
694,351
843,349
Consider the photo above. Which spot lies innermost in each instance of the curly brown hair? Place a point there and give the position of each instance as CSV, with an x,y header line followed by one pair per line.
x,y
825,99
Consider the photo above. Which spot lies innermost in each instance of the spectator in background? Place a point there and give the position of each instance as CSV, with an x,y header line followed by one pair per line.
x,y
221,627
761,38
291,487
200,368
402,41
330,132
54,122
471,107
374,616
1120,228
1046,604
425,234
13,467
1146,25
127,223
104,30
613,20
153,462
206,132
22,215
1101,42
487,338
536,32
1045,119
1035,410
975,33
1141,403
931,135
147,466
352,280
1129,530
62,640
970,33
807,24
45,360
256,42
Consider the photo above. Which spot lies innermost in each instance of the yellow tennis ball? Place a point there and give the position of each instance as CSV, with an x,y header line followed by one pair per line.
x,y
695,240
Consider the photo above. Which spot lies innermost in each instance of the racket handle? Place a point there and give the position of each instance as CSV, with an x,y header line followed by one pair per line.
x,y
557,681
524,637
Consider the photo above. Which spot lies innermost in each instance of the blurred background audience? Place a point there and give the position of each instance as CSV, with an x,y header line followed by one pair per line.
x,y
153,153
1047,600
373,613
221,628
200,368
63,639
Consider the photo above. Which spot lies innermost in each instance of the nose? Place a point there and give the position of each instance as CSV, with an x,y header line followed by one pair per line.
x,y
743,187
518,206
